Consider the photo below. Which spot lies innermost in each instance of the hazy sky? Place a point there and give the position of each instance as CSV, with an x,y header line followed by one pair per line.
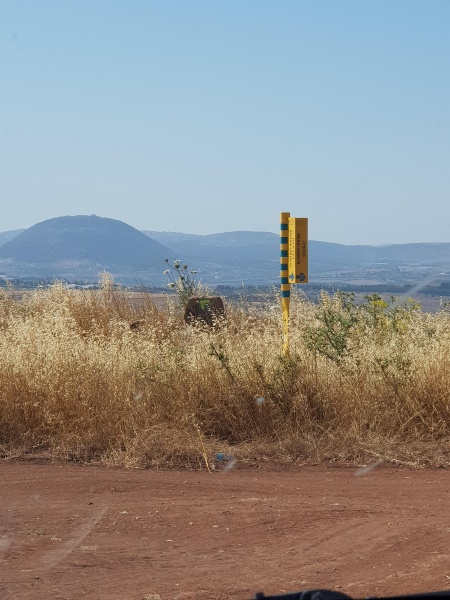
x,y
211,116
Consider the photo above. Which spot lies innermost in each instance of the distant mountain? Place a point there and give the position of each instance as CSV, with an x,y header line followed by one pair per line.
x,y
82,246
241,255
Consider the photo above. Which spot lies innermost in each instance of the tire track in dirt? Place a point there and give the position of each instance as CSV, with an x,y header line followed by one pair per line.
x,y
87,532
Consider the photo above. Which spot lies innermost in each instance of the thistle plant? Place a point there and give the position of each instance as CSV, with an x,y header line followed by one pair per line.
x,y
182,281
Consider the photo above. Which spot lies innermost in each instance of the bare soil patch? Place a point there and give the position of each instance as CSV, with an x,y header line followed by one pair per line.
x,y
69,532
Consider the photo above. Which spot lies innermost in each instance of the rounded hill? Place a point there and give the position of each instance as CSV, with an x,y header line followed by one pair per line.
x,y
103,242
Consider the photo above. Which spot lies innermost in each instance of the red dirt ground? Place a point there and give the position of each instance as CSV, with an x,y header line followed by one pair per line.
x,y
70,532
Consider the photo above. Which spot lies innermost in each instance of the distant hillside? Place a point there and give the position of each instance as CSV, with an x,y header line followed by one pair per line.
x,y
230,257
82,246
5,236
262,246
256,248
241,255
226,248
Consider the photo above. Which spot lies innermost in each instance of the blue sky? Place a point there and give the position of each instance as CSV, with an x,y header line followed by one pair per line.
x,y
210,116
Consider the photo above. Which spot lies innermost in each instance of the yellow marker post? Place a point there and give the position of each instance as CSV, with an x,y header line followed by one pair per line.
x,y
293,264
284,279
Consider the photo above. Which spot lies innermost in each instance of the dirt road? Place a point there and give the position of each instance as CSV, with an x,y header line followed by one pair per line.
x,y
69,532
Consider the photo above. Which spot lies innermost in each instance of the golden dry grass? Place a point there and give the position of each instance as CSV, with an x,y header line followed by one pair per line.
x,y
77,383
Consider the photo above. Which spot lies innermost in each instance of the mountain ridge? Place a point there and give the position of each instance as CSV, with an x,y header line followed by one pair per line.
x,y
82,246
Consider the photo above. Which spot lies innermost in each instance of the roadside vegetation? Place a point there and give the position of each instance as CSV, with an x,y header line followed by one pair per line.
x,y
362,382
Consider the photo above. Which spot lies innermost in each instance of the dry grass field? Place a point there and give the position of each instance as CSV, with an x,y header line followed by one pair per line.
x,y
77,383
